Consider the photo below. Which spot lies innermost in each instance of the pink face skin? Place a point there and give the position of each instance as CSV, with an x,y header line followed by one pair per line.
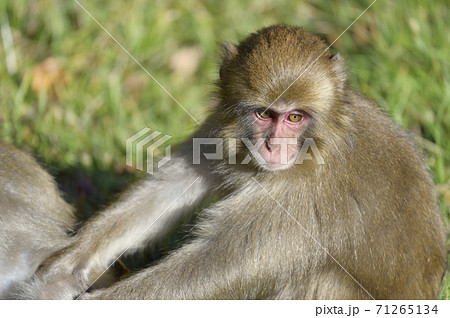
x,y
281,132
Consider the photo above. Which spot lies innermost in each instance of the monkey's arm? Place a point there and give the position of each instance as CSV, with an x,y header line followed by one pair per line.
x,y
222,262
144,213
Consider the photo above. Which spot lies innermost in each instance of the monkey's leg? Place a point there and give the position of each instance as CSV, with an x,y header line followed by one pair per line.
x,y
196,271
335,283
231,258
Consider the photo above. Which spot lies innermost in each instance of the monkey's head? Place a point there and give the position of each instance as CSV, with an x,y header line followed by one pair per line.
x,y
277,88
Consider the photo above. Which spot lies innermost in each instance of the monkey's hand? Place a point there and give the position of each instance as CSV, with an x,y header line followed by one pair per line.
x,y
44,287
59,278
56,278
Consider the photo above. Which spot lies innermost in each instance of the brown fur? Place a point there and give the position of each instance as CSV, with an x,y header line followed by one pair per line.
x,y
34,219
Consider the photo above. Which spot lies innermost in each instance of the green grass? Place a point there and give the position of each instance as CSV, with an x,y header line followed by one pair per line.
x,y
397,52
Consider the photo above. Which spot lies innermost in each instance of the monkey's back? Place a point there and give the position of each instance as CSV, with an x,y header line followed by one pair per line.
x,y
408,243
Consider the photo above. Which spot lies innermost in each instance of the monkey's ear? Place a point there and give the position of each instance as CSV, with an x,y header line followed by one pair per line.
x,y
340,69
229,51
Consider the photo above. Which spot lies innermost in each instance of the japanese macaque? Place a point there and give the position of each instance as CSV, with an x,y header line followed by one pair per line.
x,y
35,222
351,216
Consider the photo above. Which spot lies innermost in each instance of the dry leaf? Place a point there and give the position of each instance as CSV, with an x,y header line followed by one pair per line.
x,y
185,61
48,77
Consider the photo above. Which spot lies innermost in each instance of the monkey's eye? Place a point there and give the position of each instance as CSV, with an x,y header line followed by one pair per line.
x,y
295,118
264,114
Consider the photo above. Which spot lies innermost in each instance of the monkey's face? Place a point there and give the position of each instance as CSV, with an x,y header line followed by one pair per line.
x,y
280,88
278,131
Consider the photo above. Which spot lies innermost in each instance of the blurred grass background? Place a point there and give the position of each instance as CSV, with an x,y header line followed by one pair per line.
x,y
71,96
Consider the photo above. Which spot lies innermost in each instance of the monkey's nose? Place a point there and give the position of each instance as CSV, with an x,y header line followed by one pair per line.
x,y
269,148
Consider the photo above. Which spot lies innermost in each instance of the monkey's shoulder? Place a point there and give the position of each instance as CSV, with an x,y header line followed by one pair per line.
x,y
383,152
26,186
20,165
374,125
